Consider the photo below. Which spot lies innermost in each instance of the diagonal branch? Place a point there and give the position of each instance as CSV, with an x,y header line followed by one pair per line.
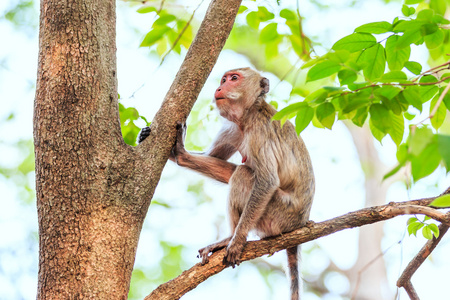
x,y
179,100
405,279
191,278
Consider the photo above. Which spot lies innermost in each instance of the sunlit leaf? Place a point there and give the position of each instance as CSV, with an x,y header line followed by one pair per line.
x,y
438,119
355,42
427,161
304,117
413,67
396,58
326,115
442,201
397,128
444,149
373,60
380,117
426,232
375,27
322,70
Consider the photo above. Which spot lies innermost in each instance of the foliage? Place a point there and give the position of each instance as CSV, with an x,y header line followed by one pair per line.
x,y
128,115
428,229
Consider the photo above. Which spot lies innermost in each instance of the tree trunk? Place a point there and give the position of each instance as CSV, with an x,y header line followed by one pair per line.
x,y
93,190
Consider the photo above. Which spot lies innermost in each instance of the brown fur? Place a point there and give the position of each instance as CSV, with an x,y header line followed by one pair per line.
x,y
272,191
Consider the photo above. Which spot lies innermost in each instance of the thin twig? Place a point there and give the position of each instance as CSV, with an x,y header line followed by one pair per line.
x,y
397,84
432,69
436,106
181,34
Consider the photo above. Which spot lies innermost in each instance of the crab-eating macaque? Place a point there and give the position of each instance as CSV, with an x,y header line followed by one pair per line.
x,y
271,192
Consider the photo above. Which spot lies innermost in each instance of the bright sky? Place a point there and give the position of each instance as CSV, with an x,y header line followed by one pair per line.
x,y
339,177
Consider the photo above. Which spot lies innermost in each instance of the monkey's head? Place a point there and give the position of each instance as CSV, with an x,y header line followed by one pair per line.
x,y
239,89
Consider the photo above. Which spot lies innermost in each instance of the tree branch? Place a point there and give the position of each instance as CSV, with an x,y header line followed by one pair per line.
x,y
191,278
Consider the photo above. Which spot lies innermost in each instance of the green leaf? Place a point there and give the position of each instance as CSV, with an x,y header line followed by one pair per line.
x,y
154,35
396,58
339,56
355,42
438,119
394,76
425,164
442,201
420,139
322,70
387,91
393,171
434,229
146,9
268,33
373,61
410,2
242,9
444,149
426,232
425,15
163,20
253,20
435,39
380,117
288,14
412,95
408,11
412,220
360,117
293,108
264,14
447,101
304,117
427,90
413,67
414,227
377,133
347,76
375,27
326,115
439,6
410,36
397,128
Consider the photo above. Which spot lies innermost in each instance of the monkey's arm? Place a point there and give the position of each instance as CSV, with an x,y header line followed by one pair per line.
x,y
213,164
212,167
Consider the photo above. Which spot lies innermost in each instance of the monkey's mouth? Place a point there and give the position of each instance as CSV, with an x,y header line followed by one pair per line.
x,y
218,99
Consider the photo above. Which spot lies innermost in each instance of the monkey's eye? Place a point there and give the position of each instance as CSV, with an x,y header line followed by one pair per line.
x,y
234,77
224,79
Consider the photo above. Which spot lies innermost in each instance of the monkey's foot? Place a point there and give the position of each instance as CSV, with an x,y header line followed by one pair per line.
x,y
205,252
145,132
233,256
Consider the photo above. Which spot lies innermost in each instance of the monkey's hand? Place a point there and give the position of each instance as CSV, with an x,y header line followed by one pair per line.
x,y
145,132
234,251
178,147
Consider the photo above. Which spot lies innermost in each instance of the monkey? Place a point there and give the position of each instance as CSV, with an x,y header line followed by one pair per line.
x,y
272,191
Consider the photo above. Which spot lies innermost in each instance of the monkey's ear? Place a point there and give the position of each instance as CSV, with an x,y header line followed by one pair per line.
x,y
265,85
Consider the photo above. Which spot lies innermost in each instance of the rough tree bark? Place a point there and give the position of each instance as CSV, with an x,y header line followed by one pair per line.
x,y
93,191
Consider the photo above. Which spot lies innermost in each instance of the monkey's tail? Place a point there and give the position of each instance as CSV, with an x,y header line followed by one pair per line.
x,y
293,255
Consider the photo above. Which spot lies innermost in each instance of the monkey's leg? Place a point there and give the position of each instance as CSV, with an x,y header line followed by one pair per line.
x,y
204,252
241,186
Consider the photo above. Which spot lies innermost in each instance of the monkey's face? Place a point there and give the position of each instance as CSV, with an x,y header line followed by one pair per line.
x,y
238,91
